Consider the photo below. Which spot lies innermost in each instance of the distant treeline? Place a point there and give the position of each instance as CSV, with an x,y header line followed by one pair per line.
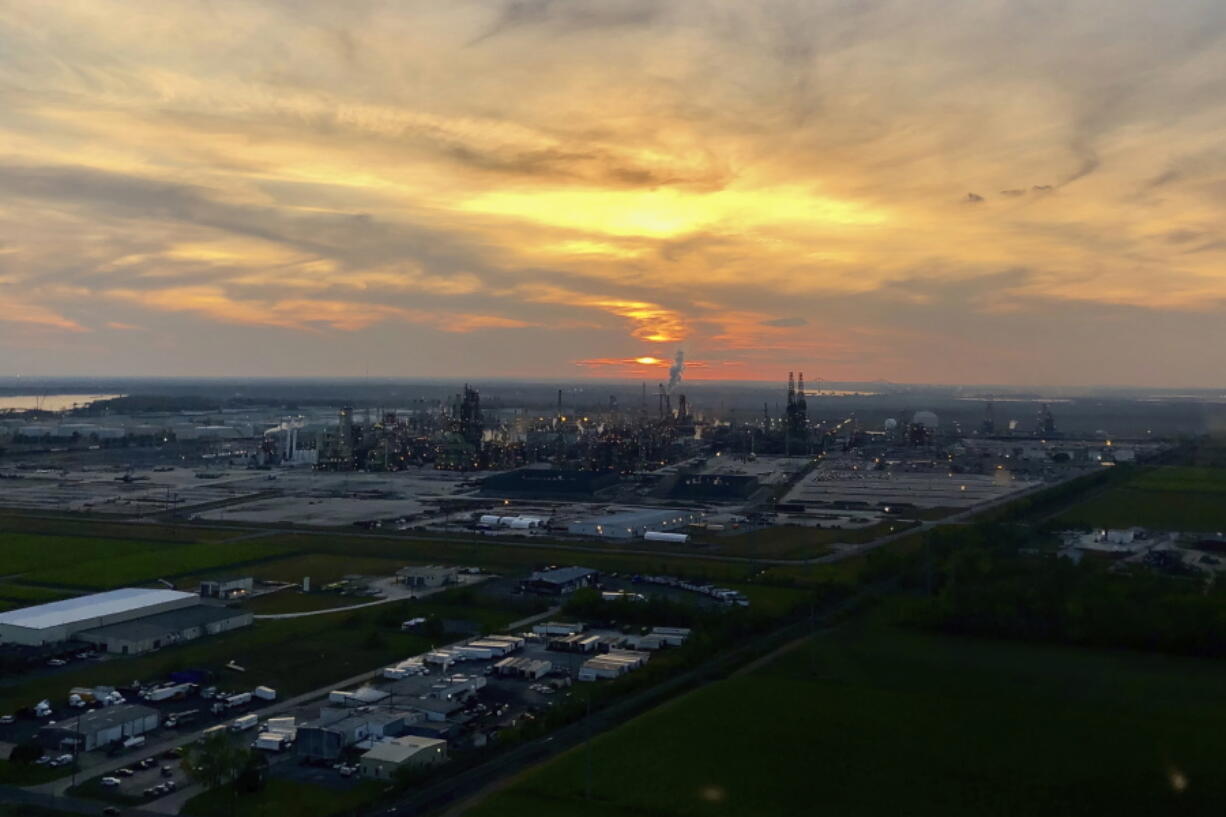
x,y
1002,581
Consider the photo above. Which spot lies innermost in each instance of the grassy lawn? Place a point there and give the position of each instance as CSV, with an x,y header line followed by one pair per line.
x,y
23,810
75,525
149,564
295,601
22,595
21,774
483,552
24,552
281,798
796,541
323,567
869,720
1168,498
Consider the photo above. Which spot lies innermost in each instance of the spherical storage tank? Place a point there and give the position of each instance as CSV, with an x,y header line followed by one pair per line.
x,y
925,418
891,424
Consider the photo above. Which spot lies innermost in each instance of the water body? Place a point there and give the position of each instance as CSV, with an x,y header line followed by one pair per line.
x,y
49,402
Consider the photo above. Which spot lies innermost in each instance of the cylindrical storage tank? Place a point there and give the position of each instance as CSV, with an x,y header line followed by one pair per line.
x,y
489,520
661,536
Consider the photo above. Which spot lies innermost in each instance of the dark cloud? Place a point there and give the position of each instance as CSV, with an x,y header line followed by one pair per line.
x,y
786,322
571,15
973,198
1014,193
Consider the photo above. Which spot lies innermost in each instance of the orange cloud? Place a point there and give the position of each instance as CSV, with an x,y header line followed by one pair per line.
x,y
649,321
306,314
35,315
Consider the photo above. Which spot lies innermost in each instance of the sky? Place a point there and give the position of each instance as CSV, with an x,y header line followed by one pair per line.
x,y
1027,192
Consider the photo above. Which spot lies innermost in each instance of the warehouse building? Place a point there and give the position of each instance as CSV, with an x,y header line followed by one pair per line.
x,y
387,757
233,587
100,727
165,629
633,523
427,576
59,621
559,581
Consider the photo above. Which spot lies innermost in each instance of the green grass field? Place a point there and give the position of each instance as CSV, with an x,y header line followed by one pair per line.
x,y
281,798
295,601
22,553
139,566
869,720
27,594
323,567
1167,498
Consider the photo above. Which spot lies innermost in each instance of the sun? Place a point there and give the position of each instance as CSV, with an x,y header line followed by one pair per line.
x,y
648,361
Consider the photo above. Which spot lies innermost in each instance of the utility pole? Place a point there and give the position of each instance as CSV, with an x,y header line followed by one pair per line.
x,y
589,744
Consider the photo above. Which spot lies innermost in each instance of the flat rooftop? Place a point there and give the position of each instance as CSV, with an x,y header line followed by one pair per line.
x,y
84,608
160,624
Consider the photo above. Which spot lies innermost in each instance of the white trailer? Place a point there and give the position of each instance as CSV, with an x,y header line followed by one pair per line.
x,y
238,700
665,536
170,693
265,693
242,724
271,742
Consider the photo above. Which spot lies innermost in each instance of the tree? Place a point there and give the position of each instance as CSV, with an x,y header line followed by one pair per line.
x,y
27,752
215,761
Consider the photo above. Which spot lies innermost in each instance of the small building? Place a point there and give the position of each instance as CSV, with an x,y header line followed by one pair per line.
x,y
165,629
613,664
529,668
427,575
574,643
435,710
383,760
559,581
336,730
558,628
100,727
234,587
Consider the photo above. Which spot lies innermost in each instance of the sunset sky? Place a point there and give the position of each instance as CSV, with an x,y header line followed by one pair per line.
x,y
1024,192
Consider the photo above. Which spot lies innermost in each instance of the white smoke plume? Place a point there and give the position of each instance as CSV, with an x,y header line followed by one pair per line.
x,y
676,370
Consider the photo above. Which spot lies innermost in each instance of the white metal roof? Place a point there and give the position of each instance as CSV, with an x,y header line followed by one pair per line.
x,y
84,608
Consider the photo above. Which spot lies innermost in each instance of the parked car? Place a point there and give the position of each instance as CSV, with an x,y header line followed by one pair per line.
x,y
7,719
111,811
167,771
124,772
109,781
56,662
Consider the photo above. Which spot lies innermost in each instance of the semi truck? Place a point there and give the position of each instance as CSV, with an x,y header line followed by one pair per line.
x,y
181,718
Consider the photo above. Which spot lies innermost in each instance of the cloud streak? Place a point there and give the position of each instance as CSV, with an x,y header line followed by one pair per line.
x,y
880,189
